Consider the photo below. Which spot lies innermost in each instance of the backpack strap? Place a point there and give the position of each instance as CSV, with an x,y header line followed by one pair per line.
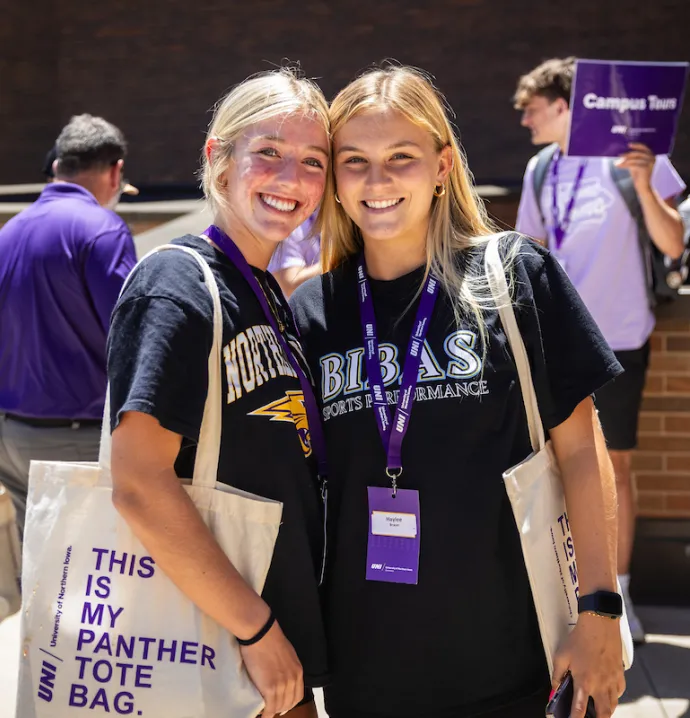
x,y
544,159
624,184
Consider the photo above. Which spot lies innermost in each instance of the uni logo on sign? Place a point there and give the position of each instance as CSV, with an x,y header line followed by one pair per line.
x,y
619,130
46,682
377,566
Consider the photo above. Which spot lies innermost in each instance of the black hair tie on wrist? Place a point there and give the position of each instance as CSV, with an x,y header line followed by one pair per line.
x,y
262,632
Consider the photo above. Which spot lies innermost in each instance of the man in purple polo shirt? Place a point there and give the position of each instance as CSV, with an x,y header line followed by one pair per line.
x,y
62,264
582,217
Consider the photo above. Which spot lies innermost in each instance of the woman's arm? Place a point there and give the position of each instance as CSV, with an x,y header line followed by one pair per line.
x,y
150,497
593,651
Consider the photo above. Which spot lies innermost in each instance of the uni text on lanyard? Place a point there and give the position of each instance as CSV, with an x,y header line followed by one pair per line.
x,y
394,517
393,433
318,442
561,226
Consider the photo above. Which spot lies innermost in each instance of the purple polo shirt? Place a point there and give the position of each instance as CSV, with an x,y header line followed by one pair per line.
x,y
62,263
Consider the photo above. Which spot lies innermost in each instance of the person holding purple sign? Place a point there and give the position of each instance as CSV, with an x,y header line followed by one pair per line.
x,y
428,606
580,208
264,171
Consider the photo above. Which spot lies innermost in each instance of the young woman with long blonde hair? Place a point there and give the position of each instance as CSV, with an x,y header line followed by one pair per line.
x,y
264,170
428,606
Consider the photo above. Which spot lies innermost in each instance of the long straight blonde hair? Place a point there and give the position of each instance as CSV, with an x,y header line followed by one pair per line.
x,y
458,221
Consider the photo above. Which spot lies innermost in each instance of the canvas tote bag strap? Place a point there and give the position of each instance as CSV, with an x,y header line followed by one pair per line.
x,y
208,448
498,284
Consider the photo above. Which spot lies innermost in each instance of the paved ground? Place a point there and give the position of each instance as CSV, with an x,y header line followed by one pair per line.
x,y
658,683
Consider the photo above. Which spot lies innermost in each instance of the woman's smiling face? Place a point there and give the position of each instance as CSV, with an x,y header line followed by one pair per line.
x,y
386,170
276,175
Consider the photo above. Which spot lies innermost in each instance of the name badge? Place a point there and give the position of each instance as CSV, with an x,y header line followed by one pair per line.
x,y
394,536
387,523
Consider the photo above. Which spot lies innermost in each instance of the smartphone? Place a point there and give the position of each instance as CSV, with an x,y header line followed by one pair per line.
x,y
561,701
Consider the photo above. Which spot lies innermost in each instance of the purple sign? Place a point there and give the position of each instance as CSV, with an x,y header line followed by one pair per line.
x,y
393,547
616,103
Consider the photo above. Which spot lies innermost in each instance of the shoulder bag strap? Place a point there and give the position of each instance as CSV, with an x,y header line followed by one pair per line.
x,y
208,448
499,291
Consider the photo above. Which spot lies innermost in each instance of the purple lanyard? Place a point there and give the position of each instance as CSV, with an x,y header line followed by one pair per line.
x,y
231,251
392,434
560,227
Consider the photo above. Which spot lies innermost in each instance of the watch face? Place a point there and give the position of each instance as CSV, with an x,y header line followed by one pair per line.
x,y
610,603
604,603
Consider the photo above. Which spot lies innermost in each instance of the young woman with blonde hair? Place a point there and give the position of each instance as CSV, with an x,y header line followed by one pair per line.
x,y
264,170
428,606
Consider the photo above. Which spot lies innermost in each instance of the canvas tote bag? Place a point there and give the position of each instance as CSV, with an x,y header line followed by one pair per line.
x,y
10,557
536,494
104,631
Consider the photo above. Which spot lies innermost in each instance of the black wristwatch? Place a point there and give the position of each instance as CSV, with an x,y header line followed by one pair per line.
x,y
603,603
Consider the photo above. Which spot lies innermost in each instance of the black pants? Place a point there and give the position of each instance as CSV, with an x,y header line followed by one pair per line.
x,y
531,707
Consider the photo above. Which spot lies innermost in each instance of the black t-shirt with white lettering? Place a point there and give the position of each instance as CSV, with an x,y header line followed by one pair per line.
x,y
158,350
465,639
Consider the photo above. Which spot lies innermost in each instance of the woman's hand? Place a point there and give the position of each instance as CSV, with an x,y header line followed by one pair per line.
x,y
593,654
275,670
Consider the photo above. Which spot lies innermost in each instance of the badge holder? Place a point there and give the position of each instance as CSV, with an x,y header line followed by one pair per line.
x,y
394,540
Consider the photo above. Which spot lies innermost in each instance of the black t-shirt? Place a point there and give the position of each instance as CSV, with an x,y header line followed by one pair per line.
x,y
158,348
465,639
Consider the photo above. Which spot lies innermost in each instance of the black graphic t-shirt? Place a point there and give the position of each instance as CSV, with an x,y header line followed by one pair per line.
x,y
158,349
465,639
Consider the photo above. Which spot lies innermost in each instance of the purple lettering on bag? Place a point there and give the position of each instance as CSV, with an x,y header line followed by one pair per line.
x,y
92,615
85,636
104,645
114,561
162,649
77,695
124,667
100,552
207,653
188,648
147,642
125,648
143,673
125,708
100,700
102,676
114,615
46,683
146,569
83,660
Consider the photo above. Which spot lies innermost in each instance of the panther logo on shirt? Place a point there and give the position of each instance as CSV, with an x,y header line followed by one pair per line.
x,y
289,408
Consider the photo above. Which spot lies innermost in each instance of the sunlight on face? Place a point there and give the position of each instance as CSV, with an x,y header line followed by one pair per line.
x,y
546,120
276,176
386,169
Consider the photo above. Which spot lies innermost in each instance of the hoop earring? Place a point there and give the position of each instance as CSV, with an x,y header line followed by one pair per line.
x,y
440,193
337,199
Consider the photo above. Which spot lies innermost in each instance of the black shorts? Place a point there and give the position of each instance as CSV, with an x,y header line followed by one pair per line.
x,y
619,401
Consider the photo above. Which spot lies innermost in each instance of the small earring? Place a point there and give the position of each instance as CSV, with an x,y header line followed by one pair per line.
x,y
337,199
441,192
